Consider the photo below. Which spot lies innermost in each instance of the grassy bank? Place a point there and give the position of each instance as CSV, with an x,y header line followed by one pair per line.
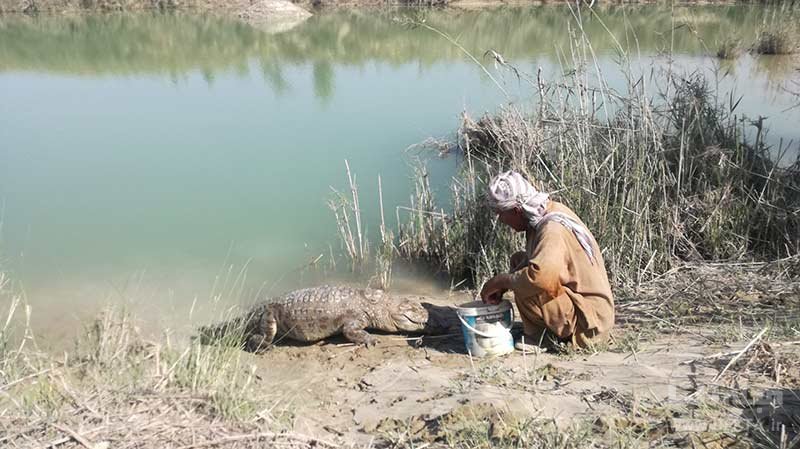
x,y
115,386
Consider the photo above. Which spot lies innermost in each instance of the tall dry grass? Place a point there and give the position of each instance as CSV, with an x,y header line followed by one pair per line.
x,y
116,384
362,258
779,33
666,171
780,40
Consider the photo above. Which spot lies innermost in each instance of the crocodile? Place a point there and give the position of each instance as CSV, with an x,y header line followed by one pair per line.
x,y
313,314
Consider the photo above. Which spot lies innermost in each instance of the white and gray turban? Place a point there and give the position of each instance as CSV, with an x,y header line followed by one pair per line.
x,y
510,189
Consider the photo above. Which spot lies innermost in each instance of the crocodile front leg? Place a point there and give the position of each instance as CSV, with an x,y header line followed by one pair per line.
x,y
264,332
353,330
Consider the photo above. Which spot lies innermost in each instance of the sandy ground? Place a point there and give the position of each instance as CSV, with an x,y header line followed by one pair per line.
x,y
339,392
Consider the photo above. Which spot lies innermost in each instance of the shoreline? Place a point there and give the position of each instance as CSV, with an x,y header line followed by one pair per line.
x,y
34,7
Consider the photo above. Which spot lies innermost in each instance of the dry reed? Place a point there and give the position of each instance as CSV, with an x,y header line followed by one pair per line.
x,y
667,172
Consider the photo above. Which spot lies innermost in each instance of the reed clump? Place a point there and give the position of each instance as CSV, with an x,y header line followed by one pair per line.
x,y
659,179
777,39
347,212
729,49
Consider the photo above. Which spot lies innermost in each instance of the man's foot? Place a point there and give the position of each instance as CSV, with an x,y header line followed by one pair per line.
x,y
529,348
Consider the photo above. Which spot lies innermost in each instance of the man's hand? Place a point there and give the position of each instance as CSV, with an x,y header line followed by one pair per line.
x,y
493,289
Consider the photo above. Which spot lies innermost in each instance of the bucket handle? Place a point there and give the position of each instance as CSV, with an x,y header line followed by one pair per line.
x,y
482,334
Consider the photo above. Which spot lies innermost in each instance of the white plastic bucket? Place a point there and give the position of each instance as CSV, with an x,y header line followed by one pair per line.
x,y
487,328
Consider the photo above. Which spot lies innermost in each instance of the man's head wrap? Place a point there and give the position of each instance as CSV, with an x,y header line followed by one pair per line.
x,y
510,189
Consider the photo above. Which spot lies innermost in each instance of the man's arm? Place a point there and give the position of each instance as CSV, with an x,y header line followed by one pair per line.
x,y
494,288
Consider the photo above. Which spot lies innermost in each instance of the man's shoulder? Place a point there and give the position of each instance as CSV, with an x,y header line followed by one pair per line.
x,y
559,207
552,230
549,233
555,206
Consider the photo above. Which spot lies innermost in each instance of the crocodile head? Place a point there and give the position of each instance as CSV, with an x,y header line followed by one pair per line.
x,y
413,316
409,316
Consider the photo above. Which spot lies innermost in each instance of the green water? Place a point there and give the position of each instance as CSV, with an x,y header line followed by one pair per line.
x,y
142,157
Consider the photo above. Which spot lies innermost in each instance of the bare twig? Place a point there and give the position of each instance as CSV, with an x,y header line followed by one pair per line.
x,y
263,435
740,354
75,436
28,377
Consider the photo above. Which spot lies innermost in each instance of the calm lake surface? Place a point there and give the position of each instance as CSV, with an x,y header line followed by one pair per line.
x,y
153,157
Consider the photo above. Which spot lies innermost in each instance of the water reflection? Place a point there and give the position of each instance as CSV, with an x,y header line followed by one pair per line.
x,y
777,69
175,44
323,80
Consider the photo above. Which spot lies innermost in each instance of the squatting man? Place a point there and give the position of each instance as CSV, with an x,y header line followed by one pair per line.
x,y
559,282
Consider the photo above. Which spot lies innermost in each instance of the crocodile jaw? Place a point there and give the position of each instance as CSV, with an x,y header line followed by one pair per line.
x,y
409,316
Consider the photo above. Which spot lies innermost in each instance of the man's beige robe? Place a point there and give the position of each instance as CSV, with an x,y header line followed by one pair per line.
x,y
561,290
